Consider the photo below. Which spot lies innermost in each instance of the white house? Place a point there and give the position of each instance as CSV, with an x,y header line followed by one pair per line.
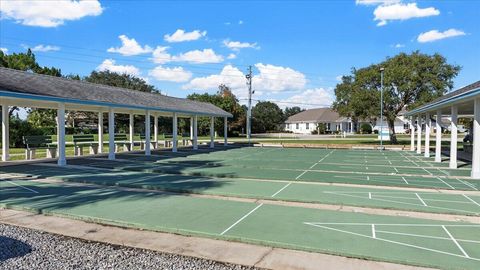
x,y
307,121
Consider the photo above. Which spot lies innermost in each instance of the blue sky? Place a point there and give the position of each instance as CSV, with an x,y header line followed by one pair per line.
x,y
298,48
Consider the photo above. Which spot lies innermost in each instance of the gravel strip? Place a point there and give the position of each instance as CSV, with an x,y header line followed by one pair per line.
x,y
22,248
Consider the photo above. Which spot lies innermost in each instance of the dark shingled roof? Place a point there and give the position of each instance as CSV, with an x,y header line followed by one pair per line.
x,y
314,115
462,91
43,85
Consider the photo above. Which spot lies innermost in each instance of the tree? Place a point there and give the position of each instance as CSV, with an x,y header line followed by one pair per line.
x,y
289,111
410,80
26,62
123,81
120,80
226,100
267,116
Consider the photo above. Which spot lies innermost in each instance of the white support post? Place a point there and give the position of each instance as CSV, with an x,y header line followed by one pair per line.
x,y
100,132
5,132
476,140
454,138
62,161
155,130
438,137
111,134
412,134
174,133
147,133
131,129
419,134
428,125
225,131
191,128
195,132
212,132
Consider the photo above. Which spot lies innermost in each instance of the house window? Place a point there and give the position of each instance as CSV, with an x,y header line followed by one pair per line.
x,y
296,126
307,125
288,126
328,126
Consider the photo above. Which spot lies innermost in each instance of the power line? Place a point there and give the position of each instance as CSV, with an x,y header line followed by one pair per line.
x,y
150,58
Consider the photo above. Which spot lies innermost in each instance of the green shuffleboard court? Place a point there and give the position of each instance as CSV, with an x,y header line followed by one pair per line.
x,y
231,181
297,191
448,245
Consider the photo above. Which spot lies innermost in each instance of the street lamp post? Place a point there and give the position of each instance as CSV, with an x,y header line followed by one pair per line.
x,y
381,107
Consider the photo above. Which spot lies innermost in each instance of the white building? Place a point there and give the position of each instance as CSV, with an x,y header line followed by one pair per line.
x,y
307,121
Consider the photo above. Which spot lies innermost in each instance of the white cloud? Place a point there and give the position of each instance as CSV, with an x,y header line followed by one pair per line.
x,y
230,76
48,13
271,79
161,56
180,35
376,2
45,48
130,47
4,50
198,57
398,45
237,45
401,11
109,64
339,78
278,78
176,74
311,98
435,35
240,22
231,56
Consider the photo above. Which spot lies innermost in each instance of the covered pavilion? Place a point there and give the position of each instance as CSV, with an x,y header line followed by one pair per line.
x,y
26,89
464,102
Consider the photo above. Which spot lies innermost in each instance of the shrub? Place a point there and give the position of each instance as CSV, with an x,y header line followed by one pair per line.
x,y
366,129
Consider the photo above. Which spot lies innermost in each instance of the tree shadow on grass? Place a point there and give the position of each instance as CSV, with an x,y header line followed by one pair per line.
x,y
12,248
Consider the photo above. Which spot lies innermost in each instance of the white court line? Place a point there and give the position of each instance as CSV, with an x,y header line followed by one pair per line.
x,y
393,224
300,175
467,184
18,185
390,241
405,180
284,187
428,236
374,235
470,199
405,203
326,156
396,169
242,218
368,178
390,162
369,195
423,202
445,183
427,171
455,241
313,165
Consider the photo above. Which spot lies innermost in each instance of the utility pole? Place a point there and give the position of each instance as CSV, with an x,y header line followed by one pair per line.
x,y
249,111
381,107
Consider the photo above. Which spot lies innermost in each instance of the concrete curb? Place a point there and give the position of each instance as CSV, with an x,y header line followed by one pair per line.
x,y
217,250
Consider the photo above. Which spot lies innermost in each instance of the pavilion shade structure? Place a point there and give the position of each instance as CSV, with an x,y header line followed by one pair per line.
x,y
27,85
26,89
464,102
